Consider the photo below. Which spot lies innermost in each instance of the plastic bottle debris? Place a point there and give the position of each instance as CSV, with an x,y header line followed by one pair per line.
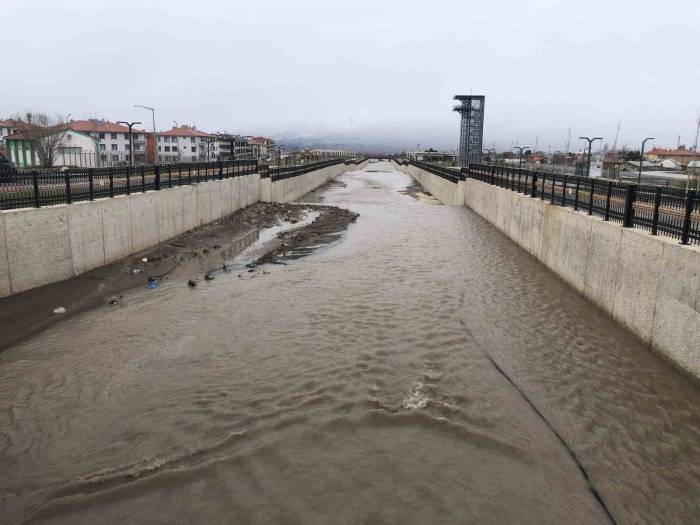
x,y
59,310
144,260
152,283
136,270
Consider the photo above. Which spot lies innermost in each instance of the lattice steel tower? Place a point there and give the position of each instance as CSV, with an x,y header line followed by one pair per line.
x,y
471,135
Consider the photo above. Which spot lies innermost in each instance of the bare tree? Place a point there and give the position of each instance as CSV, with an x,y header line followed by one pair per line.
x,y
45,133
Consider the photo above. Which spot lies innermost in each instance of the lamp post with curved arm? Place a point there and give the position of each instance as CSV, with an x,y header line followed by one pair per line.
x,y
590,142
641,159
520,152
155,134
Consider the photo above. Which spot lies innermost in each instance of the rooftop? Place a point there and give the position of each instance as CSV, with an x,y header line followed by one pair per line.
x,y
185,131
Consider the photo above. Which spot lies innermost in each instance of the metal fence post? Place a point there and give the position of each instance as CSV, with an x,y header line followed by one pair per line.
x,y
578,184
689,203
128,180
91,186
534,185
563,191
35,182
143,180
69,196
607,202
156,175
111,182
630,199
590,197
655,216
221,170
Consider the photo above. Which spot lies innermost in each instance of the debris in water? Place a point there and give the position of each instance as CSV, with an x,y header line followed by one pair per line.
x,y
144,260
136,270
250,265
208,277
152,283
191,283
113,300
59,310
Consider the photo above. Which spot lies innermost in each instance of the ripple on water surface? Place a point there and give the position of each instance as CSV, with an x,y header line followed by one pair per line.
x,y
353,385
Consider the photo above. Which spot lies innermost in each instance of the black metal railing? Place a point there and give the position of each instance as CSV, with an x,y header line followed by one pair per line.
x,y
276,173
673,212
450,174
34,188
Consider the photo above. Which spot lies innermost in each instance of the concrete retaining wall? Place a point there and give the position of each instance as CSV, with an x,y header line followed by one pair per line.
x,y
287,190
46,245
443,190
650,284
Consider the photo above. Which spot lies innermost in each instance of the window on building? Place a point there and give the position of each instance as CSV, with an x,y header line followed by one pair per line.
x,y
158,148
192,140
102,147
102,136
115,158
194,150
114,147
126,136
113,136
167,148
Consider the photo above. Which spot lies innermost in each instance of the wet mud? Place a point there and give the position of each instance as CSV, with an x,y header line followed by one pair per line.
x,y
190,256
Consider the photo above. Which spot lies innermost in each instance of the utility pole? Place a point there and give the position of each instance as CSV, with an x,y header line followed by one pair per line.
x,y
155,134
131,142
590,143
641,159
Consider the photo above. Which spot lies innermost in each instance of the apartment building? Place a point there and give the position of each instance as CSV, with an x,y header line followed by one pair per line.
x,y
113,144
187,144
234,147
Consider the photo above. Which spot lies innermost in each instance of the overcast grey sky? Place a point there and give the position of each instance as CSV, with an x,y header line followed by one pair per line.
x,y
379,71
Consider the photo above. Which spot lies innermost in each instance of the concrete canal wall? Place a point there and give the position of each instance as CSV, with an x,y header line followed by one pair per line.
x,y
444,190
46,245
650,284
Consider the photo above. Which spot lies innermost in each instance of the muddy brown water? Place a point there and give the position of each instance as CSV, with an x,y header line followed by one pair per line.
x,y
423,369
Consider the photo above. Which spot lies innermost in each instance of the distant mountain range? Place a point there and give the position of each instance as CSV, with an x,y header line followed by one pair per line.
x,y
340,141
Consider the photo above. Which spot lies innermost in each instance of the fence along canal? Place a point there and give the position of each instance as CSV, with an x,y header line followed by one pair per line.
x,y
673,212
36,188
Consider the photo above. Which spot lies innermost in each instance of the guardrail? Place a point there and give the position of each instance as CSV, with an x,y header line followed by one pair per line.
x,y
674,212
34,188
286,172
452,174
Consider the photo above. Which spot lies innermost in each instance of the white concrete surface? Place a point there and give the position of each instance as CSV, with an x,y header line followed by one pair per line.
x,y
38,247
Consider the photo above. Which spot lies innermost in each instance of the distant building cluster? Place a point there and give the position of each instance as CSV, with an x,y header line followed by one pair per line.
x,y
99,142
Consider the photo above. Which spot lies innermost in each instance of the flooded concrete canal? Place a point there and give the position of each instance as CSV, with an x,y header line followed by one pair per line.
x,y
421,369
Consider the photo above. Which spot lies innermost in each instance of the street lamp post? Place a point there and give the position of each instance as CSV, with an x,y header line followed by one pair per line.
x,y
641,159
131,142
520,152
590,143
155,134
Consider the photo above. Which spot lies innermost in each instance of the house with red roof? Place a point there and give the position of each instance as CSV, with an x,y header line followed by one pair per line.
x,y
187,144
113,141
